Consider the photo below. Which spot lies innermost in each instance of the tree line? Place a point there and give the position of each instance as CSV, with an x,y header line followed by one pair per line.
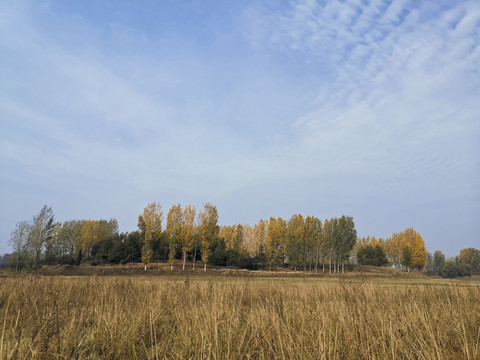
x,y
299,243
405,250
466,263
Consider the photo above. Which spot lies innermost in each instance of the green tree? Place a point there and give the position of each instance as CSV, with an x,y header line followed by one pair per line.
x,y
372,255
470,257
328,243
406,257
453,270
429,266
53,250
347,238
312,241
438,262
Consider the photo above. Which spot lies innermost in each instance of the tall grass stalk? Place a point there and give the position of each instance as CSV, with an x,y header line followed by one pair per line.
x,y
155,318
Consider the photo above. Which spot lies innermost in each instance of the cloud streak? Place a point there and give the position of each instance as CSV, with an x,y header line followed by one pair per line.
x,y
327,107
399,102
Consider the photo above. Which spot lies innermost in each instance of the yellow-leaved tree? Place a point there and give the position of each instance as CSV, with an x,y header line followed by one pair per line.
x,y
174,231
393,249
275,241
237,239
226,232
413,253
188,232
88,237
150,224
295,241
259,236
207,230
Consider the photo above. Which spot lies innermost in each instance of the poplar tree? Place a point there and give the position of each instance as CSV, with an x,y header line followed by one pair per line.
x,y
313,228
174,231
238,239
208,230
409,246
226,232
259,236
41,230
93,232
150,224
347,238
320,243
295,241
18,242
188,233
438,262
275,241
88,237
329,243
68,238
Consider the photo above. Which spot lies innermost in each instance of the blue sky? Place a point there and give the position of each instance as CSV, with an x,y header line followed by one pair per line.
x,y
364,108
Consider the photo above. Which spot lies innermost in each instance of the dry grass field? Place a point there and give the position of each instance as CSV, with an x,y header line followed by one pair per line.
x,y
207,316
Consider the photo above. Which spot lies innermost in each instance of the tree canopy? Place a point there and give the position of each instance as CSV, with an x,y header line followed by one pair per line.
x,y
299,242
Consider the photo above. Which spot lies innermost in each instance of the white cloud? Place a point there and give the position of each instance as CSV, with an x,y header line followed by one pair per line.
x,y
334,103
401,104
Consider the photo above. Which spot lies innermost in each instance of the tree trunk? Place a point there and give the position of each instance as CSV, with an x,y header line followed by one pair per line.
x,y
171,266
184,259
145,268
195,256
205,268
343,267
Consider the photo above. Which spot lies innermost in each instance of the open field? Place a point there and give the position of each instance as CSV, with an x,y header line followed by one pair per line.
x,y
238,315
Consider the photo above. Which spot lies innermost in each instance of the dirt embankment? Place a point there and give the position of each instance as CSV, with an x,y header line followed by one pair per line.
x,y
163,269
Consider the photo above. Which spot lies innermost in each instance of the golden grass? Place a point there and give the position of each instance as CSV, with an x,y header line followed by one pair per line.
x,y
156,317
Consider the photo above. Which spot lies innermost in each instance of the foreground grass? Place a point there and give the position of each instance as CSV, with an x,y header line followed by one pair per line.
x,y
153,318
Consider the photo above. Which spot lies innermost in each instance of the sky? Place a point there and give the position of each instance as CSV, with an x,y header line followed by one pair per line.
x,y
369,109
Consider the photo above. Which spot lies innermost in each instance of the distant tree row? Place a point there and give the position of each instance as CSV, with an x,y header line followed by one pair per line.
x,y
466,263
301,242
5,261
44,241
405,250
